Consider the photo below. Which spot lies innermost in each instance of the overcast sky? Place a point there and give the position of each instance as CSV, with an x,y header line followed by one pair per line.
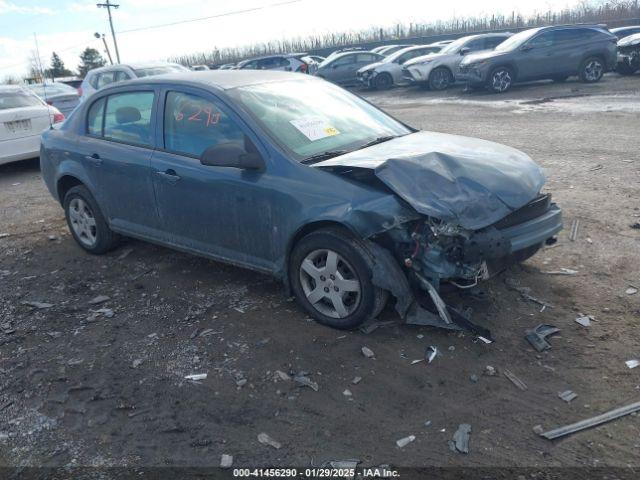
x,y
67,26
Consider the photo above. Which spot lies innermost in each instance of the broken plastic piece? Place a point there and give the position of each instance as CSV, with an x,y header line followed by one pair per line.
x,y
403,442
537,336
430,353
592,422
460,442
265,439
584,320
515,380
632,363
567,395
196,376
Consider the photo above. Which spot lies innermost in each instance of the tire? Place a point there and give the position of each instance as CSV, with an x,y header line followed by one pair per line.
x,y
500,79
320,288
383,81
591,70
560,79
440,79
86,222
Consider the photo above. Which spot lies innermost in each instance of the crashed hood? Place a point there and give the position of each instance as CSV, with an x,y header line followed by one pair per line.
x,y
630,40
466,181
370,66
429,56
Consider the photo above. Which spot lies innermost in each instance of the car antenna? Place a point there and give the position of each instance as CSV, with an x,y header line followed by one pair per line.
x,y
44,79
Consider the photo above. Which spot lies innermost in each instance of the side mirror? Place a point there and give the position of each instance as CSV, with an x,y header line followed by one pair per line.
x,y
464,50
231,155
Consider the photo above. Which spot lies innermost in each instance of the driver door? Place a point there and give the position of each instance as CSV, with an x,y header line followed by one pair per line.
x,y
218,211
537,58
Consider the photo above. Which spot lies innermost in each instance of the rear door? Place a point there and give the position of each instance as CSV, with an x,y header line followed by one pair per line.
x,y
116,151
568,50
343,69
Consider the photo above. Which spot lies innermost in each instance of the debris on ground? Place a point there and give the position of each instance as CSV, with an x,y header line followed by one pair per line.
x,y
196,376
265,439
430,353
302,380
403,442
573,232
525,292
515,380
137,362
460,442
342,464
591,422
347,393
226,461
280,375
631,290
105,312
562,271
98,299
537,429
371,326
584,320
367,352
418,360
474,378
632,363
537,337
39,305
490,371
4,235
356,380
124,254
635,226
567,395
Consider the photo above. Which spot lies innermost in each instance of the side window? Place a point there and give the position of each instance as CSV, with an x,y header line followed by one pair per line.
x,y
95,118
105,79
493,42
346,60
543,40
128,117
366,57
121,76
193,124
571,35
252,65
93,81
475,45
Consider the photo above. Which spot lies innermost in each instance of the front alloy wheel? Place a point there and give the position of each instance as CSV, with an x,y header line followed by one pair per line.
x,y
440,79
330,283
592,70
500,80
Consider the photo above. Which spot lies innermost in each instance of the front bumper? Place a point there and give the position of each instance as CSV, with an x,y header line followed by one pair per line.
x,y
366,78
417,73
473,75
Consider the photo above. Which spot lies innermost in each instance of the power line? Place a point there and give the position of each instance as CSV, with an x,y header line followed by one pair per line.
x,y
109,6
225,14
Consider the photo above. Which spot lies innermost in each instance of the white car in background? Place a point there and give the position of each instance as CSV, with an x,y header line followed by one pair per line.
x,y
438,71
23,117
388,71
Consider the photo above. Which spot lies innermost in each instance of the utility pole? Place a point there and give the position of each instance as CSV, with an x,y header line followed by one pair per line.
x,y
106,47
108,5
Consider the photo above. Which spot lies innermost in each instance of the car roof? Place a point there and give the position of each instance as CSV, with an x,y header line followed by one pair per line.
x,y
622,29
11,88
218,79
132,66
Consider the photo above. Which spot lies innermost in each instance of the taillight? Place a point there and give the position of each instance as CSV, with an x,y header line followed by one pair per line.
x,y
58,117
303,68
49,102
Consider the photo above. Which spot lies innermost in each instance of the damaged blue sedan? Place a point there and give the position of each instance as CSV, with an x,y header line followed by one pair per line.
x,y
292,176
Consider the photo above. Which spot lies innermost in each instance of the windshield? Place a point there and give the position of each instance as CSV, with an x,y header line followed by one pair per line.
x,y
151,71
17,99
52,89
312,117
516,40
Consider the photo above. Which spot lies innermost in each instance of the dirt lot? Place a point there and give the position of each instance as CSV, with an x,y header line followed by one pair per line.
x,y
79,388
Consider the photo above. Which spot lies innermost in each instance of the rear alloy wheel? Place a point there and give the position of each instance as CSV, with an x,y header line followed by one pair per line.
x,y
592,70
86,222
330,276
500,80
383,81
440,79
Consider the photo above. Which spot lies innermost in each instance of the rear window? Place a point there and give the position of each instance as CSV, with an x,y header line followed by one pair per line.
x,y
53,89
18,99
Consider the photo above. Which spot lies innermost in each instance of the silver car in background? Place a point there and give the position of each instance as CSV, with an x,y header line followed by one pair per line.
x,y
438,71
59,95
103,76
341,68
290,62
389,49
388,72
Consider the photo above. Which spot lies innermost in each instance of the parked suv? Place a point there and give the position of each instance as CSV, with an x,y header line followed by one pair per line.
x,y
437,71
103,76
539,53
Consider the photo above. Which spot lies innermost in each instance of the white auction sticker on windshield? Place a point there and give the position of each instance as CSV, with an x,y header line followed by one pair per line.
x,y
314,127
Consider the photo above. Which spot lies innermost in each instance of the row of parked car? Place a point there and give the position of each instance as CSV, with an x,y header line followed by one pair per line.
x,y
492,60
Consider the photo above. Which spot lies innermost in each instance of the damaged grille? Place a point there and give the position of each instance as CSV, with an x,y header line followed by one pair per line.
x,y
531,210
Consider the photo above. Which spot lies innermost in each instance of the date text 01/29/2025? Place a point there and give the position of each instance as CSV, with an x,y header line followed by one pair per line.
x,y
319,472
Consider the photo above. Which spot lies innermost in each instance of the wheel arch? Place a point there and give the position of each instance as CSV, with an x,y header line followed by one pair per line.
x,y
66,183
510,65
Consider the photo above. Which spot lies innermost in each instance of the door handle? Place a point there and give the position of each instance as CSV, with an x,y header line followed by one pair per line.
x,y
169,175
94,158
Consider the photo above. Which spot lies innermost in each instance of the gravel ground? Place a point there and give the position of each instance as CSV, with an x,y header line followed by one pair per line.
x,y
103,384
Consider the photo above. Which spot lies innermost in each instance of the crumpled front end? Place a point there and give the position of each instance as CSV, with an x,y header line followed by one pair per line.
x,y
439,251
